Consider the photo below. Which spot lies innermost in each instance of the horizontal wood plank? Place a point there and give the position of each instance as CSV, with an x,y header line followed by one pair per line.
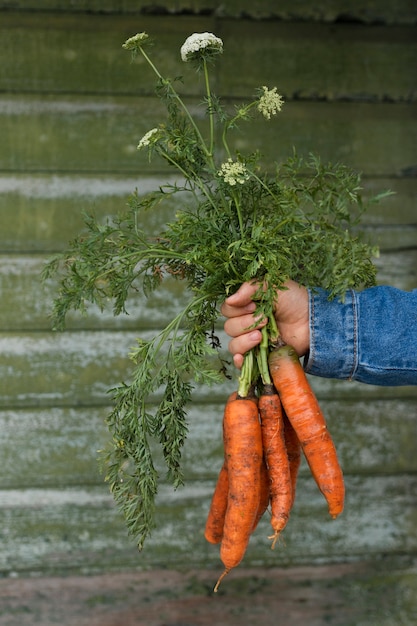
x,y
82,53
57,447
343,61
91,134
366,592
402,11
79,367
78,528
43,212
304,61
22,290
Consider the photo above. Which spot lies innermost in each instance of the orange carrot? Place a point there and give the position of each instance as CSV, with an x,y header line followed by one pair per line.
x,y
215,518
264,494
272,426
243,450
293,446
307,419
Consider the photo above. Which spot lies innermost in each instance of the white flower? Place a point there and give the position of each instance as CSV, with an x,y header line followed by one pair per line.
x,y
135,42
199,43
270,102
233,173
148,138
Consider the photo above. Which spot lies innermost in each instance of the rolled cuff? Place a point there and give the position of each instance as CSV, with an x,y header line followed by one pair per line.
x,y
333,336
370,337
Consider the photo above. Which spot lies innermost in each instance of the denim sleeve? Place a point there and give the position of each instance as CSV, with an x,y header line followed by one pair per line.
x,y
370,337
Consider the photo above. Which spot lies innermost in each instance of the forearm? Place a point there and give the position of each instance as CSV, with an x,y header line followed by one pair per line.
x,y
371,337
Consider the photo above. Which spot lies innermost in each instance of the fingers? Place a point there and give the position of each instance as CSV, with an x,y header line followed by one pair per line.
x,y
244,336
240,323
243,343
243,297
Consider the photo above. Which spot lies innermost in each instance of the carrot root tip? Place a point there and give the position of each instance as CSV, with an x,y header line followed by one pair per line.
x,y
217,585
274,538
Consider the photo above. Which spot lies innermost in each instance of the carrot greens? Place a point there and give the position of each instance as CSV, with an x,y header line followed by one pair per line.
x,y
238,221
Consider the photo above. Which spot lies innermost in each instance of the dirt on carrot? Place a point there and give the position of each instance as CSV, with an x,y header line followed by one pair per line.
x,y
275,452
244,456
303,411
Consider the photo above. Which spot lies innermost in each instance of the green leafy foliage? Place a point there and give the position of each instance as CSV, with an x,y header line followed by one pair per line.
x,y
236,224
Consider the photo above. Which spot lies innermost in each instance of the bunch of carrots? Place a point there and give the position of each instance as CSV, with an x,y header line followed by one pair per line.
x,y
264,431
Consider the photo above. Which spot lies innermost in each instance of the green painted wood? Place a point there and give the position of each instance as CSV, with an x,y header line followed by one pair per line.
x,y
79,367
88,134
57,446
324,62
42,212
23,292
398,269
41,369
63,149
82,54
394,238
399,208
368,11
51,447
52,530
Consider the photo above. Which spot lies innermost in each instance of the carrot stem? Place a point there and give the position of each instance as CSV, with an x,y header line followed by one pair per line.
x,y
262,357
273,332
248,375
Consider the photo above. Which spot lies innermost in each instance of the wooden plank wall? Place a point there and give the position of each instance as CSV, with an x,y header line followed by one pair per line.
x,y
72,109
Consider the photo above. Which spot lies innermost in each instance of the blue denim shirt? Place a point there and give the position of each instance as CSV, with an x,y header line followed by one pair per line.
x,y
371,337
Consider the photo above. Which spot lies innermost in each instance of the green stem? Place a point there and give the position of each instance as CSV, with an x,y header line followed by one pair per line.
x,y
229,124
210,109
239,214
273,332
225,144
196,179
173,327
262,184
247,376
179,100
262,357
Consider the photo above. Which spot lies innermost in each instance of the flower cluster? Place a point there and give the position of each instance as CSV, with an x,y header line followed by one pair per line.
x,y
270,102
201,44
135,43
233,172
149,138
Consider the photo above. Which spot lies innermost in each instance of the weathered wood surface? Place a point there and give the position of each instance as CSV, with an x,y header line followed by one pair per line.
x,y
373,436
23,292
80,528
91,134
366,11
382,593
361,64
72,110
40,213
79,367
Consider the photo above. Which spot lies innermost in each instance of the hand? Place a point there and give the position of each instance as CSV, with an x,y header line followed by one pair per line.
x,y
291,313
